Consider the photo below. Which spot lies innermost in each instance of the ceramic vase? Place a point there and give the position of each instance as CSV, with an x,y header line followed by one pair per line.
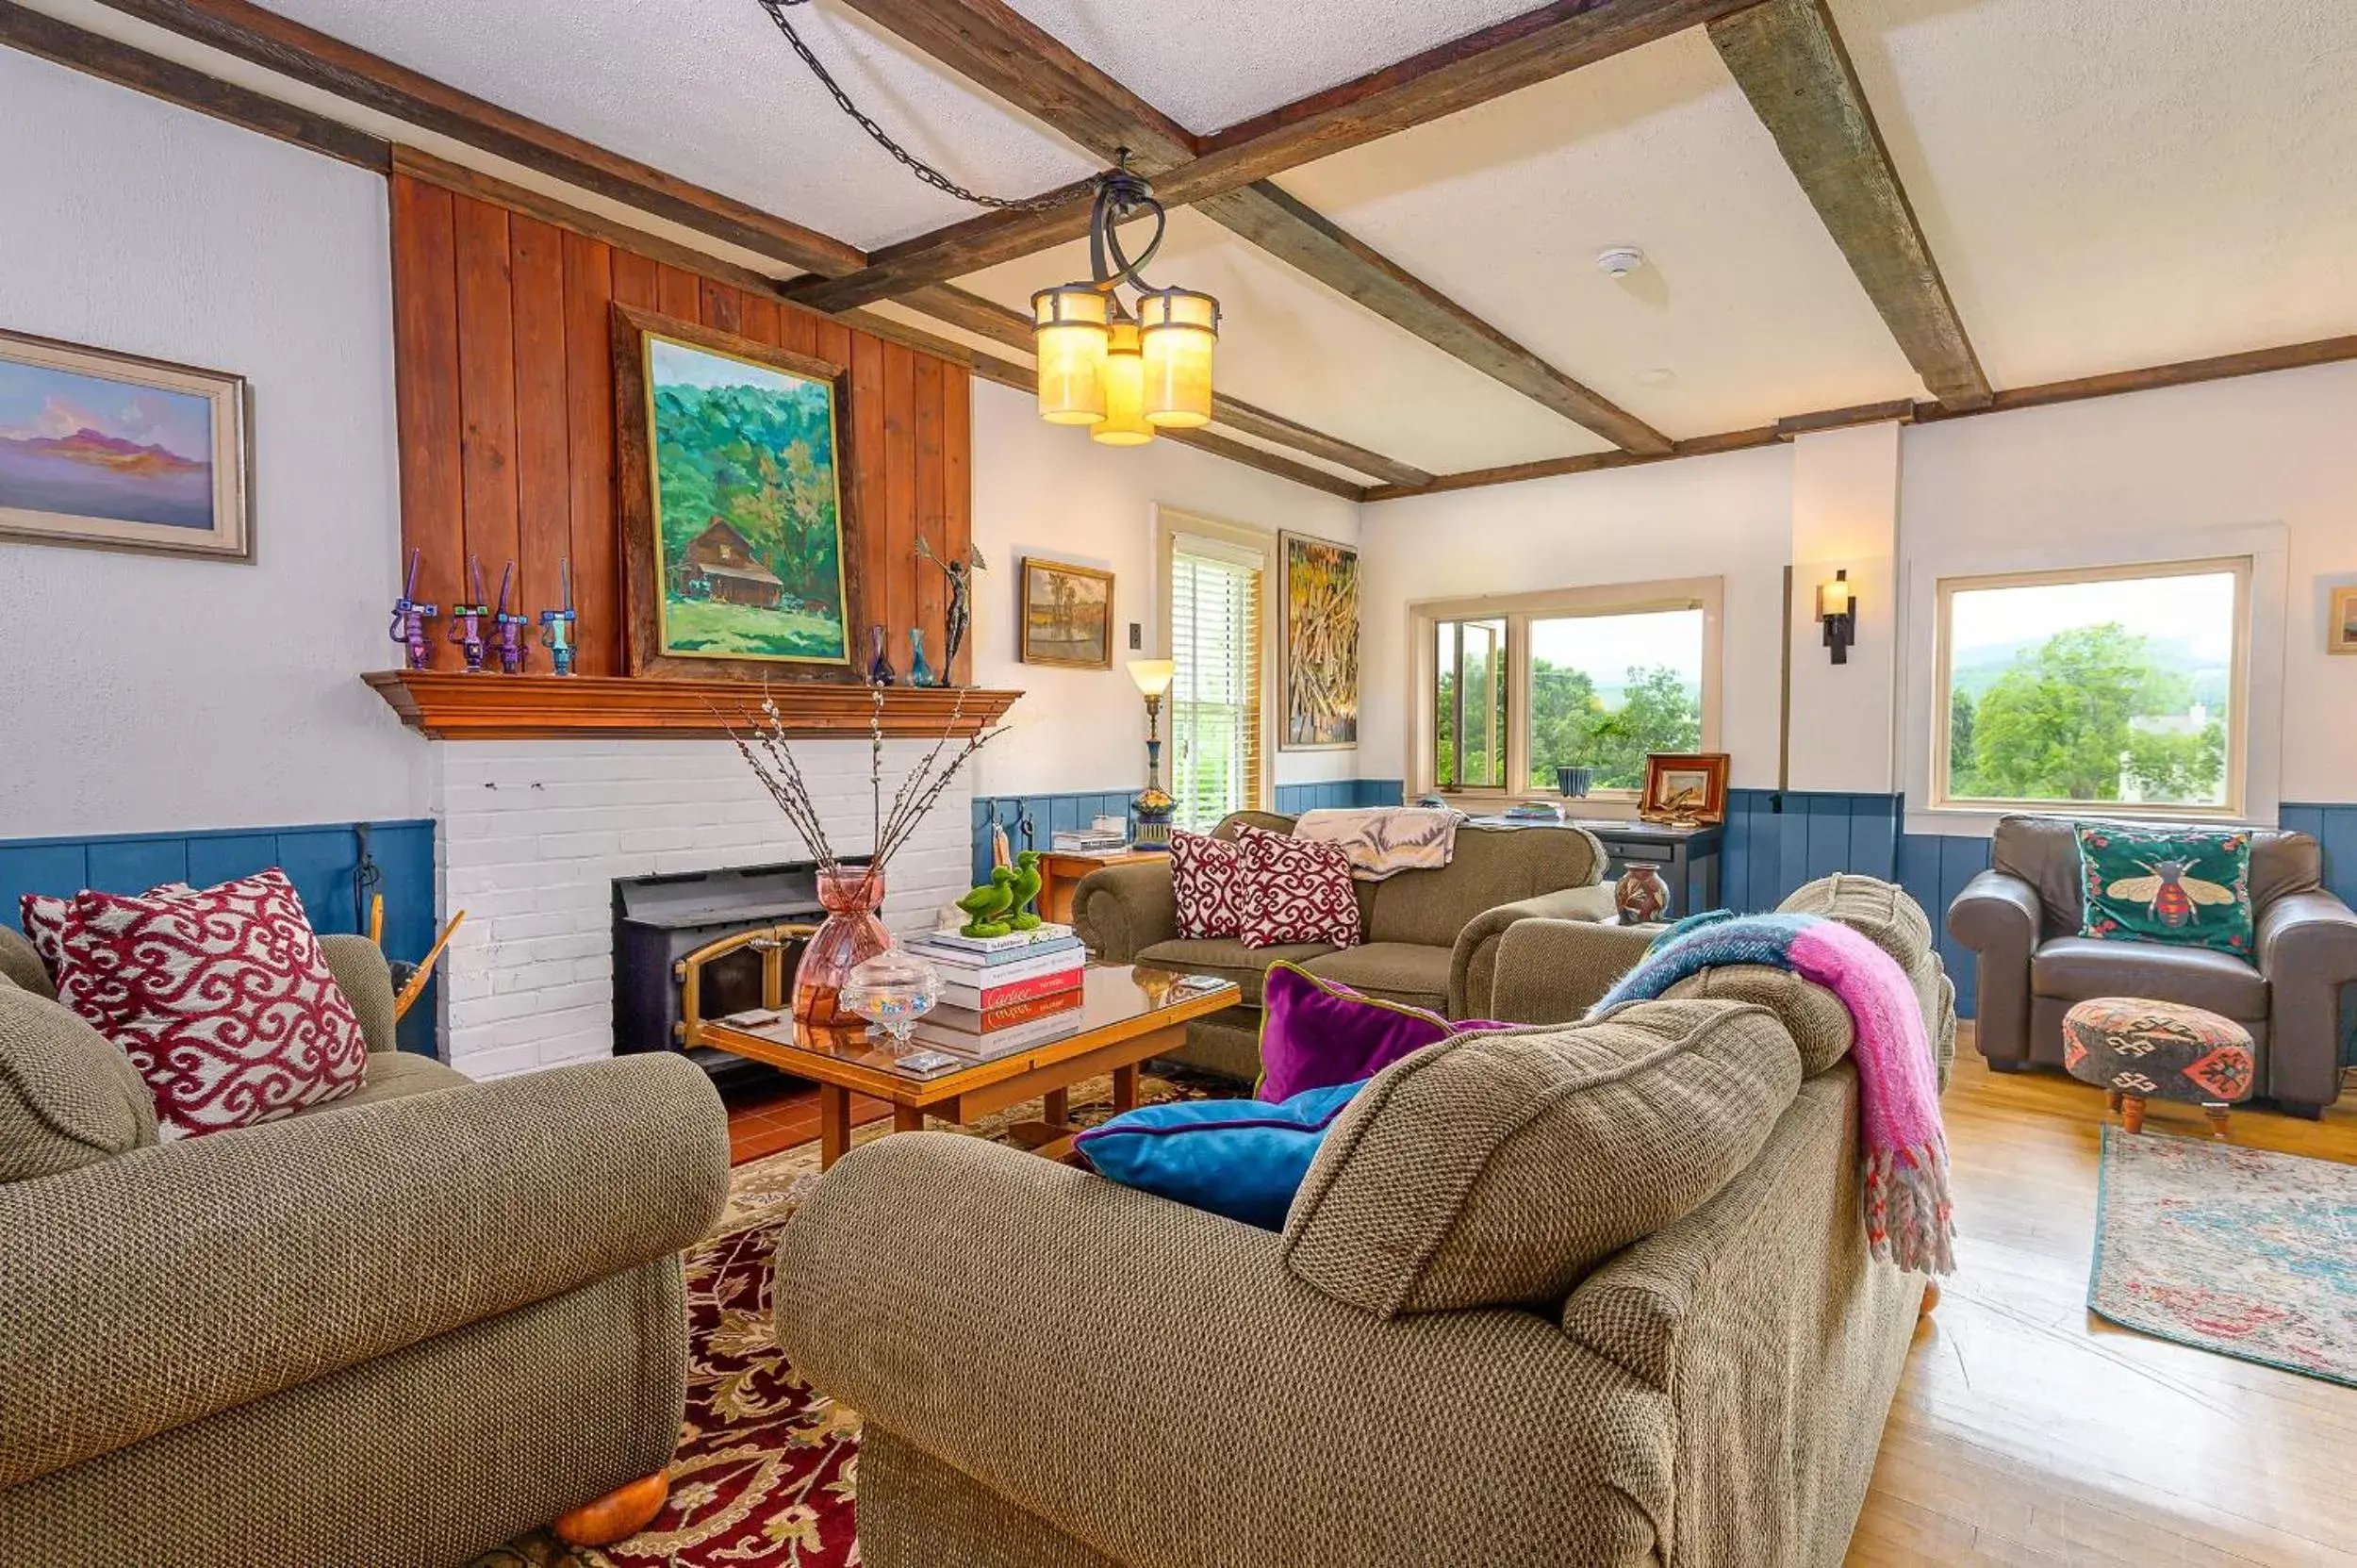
x,y
1640,895
849,937
1574,782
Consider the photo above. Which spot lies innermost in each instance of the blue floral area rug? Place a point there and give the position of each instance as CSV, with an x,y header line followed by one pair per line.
x,y
2235,1250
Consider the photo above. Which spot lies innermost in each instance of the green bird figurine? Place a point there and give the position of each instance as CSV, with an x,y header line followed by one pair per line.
x,y
986,904
1025,891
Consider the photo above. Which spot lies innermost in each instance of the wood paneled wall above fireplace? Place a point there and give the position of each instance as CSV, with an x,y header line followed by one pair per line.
x,y
503,367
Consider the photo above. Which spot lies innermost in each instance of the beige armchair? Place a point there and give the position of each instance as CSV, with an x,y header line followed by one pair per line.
x,y
1431,937
396,1329
1592,1293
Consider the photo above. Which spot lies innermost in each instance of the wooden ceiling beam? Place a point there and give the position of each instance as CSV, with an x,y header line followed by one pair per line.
x,y
999,50
304,54
1789,62
945,302
110,60
1491,64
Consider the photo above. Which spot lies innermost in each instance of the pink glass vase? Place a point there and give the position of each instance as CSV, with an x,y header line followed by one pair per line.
x,y
849,936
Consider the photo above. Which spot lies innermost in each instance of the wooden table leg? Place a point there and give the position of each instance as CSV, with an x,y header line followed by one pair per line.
x,y
2218,1121
2131,1113
834,1124
2112,1099
907,1119
1056,1108
1125,1088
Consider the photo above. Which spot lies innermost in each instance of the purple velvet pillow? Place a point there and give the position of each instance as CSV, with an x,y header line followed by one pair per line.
x,y
1316,1034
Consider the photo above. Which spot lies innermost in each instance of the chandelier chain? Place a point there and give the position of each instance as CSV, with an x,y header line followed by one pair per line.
x,y
917,166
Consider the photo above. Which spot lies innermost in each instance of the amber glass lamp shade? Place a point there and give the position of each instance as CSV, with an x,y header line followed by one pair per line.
x,y
1069,333
1178,329
1124,424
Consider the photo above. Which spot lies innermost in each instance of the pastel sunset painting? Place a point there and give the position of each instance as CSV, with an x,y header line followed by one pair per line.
x,y
106,449
92,447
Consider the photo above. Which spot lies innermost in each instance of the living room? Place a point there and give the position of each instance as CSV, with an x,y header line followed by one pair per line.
x,y
1187,564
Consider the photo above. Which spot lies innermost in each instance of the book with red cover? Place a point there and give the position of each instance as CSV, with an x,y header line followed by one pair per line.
x,y
1009,1015
984,1000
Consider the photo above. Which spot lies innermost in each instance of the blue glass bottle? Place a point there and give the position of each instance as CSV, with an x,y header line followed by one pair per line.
x,y
920,673
880,668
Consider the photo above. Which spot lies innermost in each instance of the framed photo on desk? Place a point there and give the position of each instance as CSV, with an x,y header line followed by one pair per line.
x,y
1685,787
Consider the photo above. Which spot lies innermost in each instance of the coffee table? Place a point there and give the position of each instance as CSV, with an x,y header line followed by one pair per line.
x,y
1126,1016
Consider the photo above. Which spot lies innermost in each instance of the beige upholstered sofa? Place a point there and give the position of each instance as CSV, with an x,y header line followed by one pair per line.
x,y
1431,937
391,1332
1590,1293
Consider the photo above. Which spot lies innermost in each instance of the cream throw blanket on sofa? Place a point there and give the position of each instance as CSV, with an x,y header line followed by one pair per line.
x,y
1383,841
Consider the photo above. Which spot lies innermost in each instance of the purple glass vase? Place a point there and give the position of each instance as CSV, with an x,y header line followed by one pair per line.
x,y
849,936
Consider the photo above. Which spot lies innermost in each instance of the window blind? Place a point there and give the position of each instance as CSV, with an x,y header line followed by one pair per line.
x,y
1215,694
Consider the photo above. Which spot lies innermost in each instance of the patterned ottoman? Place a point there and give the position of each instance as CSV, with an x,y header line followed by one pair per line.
x,y
2141,1050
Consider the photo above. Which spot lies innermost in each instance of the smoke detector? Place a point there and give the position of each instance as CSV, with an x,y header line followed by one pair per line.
x,y
1619,260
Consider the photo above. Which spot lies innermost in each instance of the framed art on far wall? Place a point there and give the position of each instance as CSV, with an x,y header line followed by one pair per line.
x,y
1067,614
740,561
113,452
1320,677
2340,633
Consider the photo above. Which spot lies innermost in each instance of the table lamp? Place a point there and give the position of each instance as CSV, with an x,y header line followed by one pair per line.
x,y
1153,805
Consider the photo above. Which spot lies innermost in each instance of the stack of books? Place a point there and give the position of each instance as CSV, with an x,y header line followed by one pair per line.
x,y
1008,990
1098,840
1533,811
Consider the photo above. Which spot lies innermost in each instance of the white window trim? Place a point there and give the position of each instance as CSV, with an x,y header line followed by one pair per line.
x,y
1169,523
1518,609
2260,673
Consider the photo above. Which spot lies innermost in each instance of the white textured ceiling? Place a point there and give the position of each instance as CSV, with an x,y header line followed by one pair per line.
x,y
1743,299
2113,184
1209,64
1290,345
2106,184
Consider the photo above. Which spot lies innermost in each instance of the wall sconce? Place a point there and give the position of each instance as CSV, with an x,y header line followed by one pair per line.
x,y
1837,611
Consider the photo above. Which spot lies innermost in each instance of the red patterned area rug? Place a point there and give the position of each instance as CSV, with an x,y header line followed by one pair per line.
x,y
2234,1251
766,1468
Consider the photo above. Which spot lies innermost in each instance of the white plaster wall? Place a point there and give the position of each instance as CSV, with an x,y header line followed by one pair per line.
x,y
151,694
2270,450
1041,489
1845,516
1727,516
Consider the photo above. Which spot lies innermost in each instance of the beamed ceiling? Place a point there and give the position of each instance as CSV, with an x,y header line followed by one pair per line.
x,y
1918,206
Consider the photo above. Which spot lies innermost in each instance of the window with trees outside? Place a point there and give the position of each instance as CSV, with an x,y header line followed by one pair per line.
x,y
2123,687
1521,694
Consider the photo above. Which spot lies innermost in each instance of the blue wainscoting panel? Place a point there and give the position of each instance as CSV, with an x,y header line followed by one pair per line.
x,y
1779,839
2335,826
320,861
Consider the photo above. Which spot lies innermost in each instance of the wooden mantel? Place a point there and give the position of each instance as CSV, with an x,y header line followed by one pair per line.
x,y
447,705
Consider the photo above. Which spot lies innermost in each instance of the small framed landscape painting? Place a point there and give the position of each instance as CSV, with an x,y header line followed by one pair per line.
x,y
1685,787
2341,631
1067,614
114,452
740,564
1321,676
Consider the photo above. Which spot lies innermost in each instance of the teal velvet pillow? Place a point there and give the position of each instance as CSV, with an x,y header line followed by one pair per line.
x,y
2189,886
1242,1157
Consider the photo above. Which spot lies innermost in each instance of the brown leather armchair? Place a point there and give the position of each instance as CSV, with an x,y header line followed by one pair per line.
x,y
2021,917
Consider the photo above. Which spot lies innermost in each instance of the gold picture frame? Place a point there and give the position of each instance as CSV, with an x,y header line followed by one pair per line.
x,y
1685,789
110,451
2340,630
1066,613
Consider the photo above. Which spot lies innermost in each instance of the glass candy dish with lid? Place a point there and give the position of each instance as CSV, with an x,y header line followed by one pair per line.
x,y
892,991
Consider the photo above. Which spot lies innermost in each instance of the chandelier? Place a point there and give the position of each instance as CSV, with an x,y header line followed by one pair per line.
x,y
1124,374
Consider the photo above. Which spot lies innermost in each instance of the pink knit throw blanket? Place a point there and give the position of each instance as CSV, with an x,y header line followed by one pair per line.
x,y
1904,1144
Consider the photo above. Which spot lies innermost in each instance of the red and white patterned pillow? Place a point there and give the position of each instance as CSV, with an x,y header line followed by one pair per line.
x,y
1296,890
221,999
1207,874
43,918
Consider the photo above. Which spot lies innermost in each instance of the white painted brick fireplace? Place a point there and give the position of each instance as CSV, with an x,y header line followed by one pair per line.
x,y
534,833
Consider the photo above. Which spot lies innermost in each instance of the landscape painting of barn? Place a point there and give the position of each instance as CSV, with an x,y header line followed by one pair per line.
x,y
745,549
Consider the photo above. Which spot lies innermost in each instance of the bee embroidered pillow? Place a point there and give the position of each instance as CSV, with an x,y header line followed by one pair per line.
x,y
2186,885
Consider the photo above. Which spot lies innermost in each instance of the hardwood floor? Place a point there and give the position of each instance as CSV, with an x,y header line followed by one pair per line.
x,y
2028,1432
